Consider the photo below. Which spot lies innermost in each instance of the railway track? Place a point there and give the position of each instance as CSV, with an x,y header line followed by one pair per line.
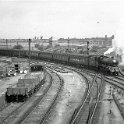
x,y
117,82
63,69
87,117
93,116
81,114
28,118
120,77
122,74
119,105
42,110
10,112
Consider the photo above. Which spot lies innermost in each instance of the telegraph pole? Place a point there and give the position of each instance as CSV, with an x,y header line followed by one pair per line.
x,y
17,43
6,44
88,52
68,44
87,47
29,42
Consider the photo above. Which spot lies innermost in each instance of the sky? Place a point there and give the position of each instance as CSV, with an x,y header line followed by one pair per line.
x,y
60,18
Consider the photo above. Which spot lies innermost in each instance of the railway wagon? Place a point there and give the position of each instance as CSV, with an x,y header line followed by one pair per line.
x,y
26,86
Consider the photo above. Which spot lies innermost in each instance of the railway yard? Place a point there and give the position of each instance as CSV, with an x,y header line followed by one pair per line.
x,y
66,95
61,62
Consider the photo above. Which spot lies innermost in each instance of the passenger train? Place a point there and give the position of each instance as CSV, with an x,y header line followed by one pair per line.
x,y
95,62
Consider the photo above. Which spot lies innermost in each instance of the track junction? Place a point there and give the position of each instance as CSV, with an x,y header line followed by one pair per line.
x,y
86,112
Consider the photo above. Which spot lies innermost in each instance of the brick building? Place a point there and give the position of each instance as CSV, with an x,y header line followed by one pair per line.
x,y
97,41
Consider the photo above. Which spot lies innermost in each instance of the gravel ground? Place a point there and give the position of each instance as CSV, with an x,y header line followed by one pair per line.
x,y
3,64
69,100
109,112
6,82
20,113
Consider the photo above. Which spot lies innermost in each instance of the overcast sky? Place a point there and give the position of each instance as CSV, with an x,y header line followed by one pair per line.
x,y
59,18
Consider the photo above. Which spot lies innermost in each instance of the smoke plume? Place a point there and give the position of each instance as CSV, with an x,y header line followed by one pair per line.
x,y
109,51
118,43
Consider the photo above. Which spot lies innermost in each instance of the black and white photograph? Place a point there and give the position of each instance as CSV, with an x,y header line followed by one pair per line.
x,y
61,62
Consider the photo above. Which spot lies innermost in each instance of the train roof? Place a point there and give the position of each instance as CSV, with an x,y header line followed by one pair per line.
x,y
36,64
66,54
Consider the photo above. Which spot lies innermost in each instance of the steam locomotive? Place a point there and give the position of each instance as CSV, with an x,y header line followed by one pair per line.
x,y
102,63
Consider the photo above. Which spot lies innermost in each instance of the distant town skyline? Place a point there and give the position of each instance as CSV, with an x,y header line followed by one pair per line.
x,y
60,19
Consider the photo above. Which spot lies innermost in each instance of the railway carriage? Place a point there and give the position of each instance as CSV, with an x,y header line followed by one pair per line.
x,y
79,60
5,52
22,53
93,63
34,54
61,58
45,56
15,53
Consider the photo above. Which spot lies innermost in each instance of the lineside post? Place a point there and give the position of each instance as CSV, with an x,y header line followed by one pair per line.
x,y
88,52
29,41
68,44
6,44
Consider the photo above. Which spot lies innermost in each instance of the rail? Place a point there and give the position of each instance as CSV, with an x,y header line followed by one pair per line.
x,y
86,100
92,118
43,111
11,110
